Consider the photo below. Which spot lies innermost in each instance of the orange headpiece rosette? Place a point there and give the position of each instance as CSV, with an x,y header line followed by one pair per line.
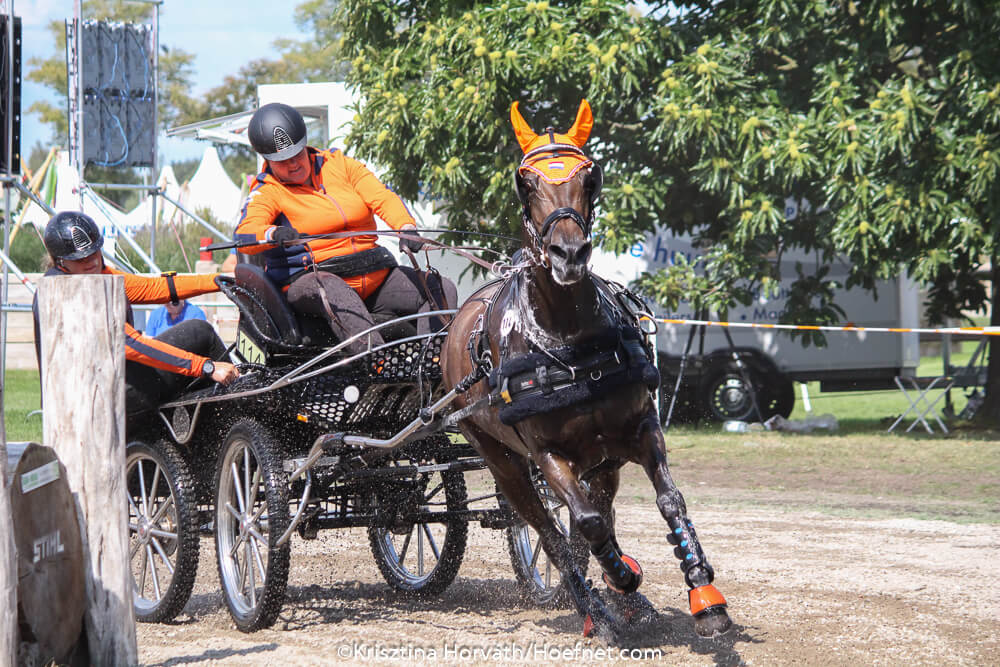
x,y
554,157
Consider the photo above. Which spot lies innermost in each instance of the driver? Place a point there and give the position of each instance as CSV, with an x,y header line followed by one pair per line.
x,y
303,190
156,369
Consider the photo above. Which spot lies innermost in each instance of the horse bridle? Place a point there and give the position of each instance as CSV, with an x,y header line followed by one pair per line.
x,y
585,224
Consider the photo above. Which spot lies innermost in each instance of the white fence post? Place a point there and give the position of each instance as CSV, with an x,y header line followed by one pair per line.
x,y
83,370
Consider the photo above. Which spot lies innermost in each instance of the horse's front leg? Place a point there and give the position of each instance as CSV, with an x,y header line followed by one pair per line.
x,y
708,606
591,515
513,476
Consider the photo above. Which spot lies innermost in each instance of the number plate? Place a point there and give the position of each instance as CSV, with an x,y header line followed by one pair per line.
x,y
249,350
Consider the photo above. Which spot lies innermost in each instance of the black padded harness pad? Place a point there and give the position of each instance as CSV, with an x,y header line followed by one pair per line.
x,y
534,384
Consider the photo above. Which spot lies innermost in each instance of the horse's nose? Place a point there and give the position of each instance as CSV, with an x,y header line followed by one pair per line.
x,y
570,253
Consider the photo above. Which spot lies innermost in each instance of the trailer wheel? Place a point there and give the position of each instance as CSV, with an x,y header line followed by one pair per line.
x,y
537,577
419,558
163,529
725,396
251,514
783,390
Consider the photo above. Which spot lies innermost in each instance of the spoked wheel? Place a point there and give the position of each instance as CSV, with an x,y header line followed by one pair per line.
x,y
251,514
537,576
417,555
163,529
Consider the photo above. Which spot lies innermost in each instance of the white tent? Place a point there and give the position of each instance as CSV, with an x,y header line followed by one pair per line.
x,y
210,187
141,215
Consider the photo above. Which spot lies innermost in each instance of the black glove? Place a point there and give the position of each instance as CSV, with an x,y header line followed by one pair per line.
x,y
411,244
284,234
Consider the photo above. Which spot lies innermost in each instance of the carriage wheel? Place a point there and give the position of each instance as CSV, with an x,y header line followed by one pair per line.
x,y
422,558
251,513
163,529
537,576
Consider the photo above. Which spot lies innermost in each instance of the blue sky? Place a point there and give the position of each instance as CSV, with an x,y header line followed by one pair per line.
x,y
222,36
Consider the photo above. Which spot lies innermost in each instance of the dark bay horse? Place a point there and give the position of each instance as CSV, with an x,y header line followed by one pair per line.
x,y
555,372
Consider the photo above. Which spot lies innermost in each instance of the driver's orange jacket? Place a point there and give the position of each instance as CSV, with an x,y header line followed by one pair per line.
x,y
343,195
144,349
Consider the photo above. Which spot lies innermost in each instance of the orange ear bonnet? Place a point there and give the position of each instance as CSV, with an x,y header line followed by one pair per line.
x,y
556,158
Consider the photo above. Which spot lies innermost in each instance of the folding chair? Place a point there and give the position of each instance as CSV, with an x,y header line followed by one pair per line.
x,y
972,375
922,406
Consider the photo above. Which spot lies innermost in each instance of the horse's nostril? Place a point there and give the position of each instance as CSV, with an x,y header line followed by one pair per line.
x,y
583,254
558,251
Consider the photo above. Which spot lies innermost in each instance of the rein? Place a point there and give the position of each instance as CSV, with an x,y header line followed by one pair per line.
x,y
496,268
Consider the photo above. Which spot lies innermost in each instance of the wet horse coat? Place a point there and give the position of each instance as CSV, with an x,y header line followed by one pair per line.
x,y
554,304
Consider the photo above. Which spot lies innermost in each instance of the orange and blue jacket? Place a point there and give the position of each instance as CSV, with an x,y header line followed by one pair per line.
x,y
343,195
144,290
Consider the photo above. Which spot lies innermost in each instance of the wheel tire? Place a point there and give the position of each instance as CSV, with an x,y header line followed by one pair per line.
x,y
248,525
537,577
404,568
783,391
724,395
163,529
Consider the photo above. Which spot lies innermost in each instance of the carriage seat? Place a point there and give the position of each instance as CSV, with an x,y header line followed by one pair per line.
x,y
275,318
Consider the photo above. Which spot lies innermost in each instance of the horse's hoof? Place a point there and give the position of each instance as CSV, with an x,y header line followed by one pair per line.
x,y
712,622
708,607
605,629
634,608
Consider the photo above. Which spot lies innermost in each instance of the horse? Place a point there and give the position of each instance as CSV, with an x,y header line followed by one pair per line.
x,y
552,370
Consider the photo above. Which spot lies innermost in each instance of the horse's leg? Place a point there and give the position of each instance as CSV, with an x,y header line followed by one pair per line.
x,y
633,606
513,475
708,606
591,515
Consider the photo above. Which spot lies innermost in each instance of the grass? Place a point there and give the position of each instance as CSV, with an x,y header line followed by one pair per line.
x,y
22,395
876,410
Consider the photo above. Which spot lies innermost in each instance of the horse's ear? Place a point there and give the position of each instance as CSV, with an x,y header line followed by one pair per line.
x,y
520,187
525,135
595,183
580,131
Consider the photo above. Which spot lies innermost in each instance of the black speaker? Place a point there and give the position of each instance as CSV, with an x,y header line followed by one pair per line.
x,y
10,95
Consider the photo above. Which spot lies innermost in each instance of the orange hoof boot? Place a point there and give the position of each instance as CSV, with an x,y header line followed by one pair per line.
x,y
633,565
588,626
708,607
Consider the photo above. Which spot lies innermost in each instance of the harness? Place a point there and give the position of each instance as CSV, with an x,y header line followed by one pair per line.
x,y
544,380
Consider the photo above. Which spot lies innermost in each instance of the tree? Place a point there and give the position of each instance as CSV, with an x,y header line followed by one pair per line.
x,y
882,116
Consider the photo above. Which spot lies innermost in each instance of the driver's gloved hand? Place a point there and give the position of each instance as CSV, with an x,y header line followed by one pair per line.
x,y
284,234
413,245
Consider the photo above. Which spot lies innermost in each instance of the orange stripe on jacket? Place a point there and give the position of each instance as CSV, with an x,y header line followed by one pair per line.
x,y
148,351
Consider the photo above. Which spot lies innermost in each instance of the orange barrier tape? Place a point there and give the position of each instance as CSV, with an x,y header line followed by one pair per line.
x,y
965,331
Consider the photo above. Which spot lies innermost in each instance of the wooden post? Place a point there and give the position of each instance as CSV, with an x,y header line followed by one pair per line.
x,y
82,322
8,563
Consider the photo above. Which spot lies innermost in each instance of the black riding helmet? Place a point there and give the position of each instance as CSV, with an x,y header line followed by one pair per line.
x,y
72,235
277,132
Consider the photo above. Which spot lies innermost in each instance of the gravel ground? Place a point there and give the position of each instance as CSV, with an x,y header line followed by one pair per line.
x,y
804,588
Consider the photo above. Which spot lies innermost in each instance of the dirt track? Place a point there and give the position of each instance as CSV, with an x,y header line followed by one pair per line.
x,y
803,588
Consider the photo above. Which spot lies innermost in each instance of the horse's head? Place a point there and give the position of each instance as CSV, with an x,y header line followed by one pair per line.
x,y
558,185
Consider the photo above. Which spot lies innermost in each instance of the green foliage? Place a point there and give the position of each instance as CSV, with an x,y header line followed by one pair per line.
x,y
28,251
881,118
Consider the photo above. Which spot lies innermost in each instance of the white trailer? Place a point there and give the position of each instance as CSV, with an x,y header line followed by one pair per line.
x,y
713,385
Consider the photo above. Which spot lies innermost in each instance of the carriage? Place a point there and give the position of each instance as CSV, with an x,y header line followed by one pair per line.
x,y
310,437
